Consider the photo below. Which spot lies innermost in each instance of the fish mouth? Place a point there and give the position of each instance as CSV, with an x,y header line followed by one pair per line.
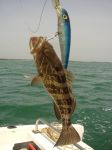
x,y
35,44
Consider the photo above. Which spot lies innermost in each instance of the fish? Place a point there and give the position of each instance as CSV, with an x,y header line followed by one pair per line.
x,y
52,74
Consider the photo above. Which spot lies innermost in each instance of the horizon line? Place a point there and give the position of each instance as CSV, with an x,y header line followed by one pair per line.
x,y
69,60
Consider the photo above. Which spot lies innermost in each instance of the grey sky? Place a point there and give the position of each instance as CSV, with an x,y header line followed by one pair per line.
x,y
91,24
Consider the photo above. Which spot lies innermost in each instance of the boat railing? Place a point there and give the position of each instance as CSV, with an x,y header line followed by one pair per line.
x,y
42,121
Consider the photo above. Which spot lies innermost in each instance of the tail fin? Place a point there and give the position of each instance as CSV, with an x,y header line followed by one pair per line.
x,y
68,136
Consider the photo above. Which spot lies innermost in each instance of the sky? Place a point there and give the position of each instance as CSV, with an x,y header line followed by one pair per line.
x,y
91,28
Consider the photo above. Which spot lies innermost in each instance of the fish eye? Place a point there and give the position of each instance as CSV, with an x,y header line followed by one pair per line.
x,y
65,17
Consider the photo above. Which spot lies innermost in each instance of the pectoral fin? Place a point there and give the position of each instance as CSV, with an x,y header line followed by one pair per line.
x,y
36,80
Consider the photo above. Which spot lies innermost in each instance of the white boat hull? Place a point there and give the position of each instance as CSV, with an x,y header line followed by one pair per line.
x,y
25,133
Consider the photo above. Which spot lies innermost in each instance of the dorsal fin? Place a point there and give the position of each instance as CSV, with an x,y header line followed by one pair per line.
x,y
69,76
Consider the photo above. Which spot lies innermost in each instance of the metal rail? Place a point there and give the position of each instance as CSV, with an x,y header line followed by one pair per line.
x,y
46,123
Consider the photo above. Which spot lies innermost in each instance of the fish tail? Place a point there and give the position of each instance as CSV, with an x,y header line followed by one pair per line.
x,y
68,136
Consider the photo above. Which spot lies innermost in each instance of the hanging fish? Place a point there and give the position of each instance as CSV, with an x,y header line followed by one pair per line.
x,y
64,32
54,79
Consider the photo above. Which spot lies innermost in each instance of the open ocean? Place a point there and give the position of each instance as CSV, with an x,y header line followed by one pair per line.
x,y
22,104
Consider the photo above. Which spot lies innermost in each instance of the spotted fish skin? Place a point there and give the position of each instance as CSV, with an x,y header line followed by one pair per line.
x,y
52,74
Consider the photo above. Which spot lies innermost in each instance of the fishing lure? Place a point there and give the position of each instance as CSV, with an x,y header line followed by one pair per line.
x,y
64,32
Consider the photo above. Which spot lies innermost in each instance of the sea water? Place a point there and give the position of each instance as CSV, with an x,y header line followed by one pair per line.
x,y
20,103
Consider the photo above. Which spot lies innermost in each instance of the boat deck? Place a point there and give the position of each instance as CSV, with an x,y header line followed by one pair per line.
x,y
24,133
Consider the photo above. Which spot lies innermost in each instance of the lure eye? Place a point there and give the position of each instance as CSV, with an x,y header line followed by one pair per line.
x,y
65,17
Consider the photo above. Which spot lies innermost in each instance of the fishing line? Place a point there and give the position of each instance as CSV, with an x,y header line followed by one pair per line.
x,y
40,18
